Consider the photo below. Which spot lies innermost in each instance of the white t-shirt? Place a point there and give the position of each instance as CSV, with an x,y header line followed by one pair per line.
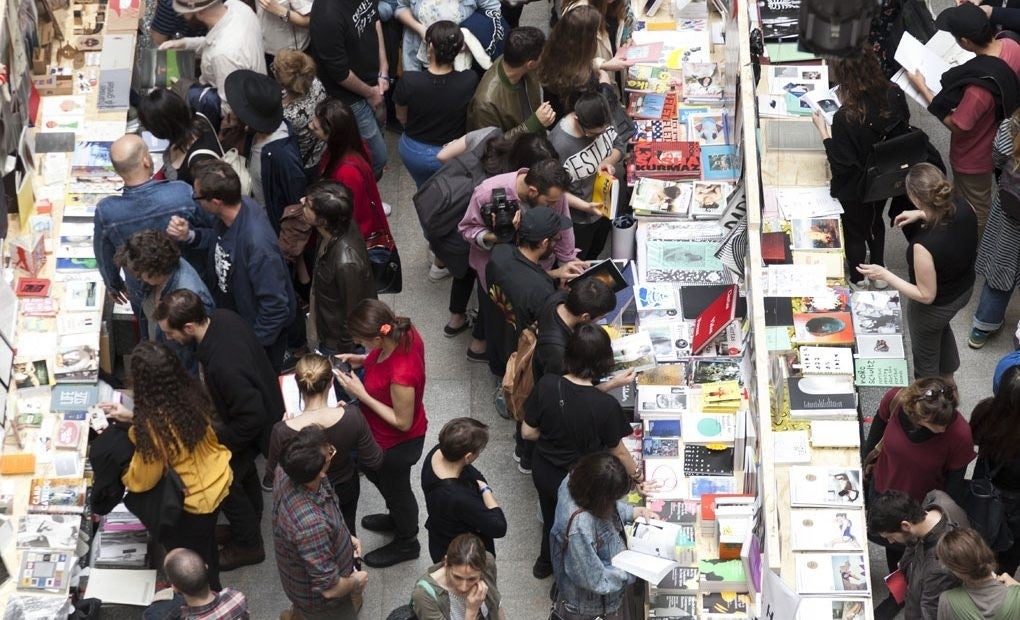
x,y
277,34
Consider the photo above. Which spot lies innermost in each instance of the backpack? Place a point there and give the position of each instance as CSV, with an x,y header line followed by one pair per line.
x,y
519,378
1009,191
443,199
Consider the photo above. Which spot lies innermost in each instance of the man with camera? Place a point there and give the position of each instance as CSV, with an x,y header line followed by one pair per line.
x,y
493,216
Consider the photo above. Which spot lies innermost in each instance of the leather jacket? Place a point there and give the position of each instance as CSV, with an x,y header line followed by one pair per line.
x,y
342,278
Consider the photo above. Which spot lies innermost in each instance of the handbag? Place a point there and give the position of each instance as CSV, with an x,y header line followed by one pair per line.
x,y
385,259
159,509
890,160
986,510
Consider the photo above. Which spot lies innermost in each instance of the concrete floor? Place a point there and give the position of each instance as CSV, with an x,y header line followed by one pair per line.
x,y
457,387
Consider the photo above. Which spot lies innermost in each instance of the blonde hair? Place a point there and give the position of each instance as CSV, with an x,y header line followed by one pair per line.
x,y
928,186
313,374
964,552
295,71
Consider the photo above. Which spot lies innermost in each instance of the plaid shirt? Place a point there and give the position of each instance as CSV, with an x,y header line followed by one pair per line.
x,y
229,604
313,545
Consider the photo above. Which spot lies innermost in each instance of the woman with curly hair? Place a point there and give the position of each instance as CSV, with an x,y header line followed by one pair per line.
x,y
172,427
872,108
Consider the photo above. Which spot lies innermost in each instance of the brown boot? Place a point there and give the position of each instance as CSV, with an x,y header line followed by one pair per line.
x,y
233,556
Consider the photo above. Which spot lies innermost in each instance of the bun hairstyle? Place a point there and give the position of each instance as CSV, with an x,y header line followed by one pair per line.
x,y
931,192
933,400
592,110
372,318
313,375
446,40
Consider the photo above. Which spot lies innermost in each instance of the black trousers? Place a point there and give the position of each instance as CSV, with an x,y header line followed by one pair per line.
x,y
348,493
198,533
547,478
863,233
393,480
243,505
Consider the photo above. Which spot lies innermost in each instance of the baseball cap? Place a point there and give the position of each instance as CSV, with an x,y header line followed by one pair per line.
x,y
541,223
966,21
184,7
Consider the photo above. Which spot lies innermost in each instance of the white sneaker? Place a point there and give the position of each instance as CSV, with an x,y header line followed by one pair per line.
x,y
879,285
437,274
387,209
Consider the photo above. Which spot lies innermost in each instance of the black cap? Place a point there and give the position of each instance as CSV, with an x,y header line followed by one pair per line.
x,y
541,223
256,99
966,21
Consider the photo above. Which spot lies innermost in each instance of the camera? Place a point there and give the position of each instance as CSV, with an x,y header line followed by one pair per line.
x,y
500,212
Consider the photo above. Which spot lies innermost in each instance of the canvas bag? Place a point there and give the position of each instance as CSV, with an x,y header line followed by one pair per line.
x,y
519,378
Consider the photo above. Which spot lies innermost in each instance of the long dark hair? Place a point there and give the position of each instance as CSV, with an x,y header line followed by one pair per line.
x,y
342,136
861,80
504,154
995,421
172,410
167,116
566,62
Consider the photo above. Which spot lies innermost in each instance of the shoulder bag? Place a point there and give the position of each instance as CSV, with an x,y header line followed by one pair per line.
x,y
159,509
985,508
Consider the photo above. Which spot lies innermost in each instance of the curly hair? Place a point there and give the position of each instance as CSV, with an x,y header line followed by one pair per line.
x,y
172,410
148,253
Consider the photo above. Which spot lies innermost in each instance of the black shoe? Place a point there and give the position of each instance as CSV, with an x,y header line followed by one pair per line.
x,y
542,569
395,552
380,522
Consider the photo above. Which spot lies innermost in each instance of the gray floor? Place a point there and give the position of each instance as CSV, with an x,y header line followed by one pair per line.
x,y
457,387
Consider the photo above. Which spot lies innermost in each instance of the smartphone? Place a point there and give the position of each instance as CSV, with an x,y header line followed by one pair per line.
x,y
340,365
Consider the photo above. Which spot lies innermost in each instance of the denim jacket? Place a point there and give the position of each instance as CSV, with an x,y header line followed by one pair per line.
x,y
587,582
142,207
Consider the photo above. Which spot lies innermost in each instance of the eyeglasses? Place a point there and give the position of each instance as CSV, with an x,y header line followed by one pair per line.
x,y
932,394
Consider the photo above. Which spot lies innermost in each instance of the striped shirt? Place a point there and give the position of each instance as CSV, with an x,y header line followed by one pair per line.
x,y
313,546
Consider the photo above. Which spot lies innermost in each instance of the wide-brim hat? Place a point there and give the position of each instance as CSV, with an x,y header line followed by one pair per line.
x,y
184,7
255,99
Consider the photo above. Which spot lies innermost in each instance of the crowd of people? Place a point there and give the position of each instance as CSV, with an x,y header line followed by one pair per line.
x,y
262,243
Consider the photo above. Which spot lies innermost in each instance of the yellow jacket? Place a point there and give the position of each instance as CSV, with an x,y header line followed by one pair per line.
x,y
205,472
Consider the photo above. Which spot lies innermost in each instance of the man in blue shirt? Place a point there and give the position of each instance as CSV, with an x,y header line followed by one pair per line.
x,y
247,272
145,204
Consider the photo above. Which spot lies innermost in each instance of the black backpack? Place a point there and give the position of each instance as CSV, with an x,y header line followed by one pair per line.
x,y
443,199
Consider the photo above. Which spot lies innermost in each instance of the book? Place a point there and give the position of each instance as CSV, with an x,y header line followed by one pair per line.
x,y
659,197
606,192
702,428
881,372
719,162
826,487
822,397
820,233
57,495
886,345
45,569
827,530
702,460
831,573
708,199
877,312
823,328
633,352
714,319
659,399
722,576
665,159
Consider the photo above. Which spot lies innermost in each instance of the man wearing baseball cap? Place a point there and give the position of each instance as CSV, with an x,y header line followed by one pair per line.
x,y
234,40
974,98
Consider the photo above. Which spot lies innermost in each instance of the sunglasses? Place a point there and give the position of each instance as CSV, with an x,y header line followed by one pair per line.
x,y
932,394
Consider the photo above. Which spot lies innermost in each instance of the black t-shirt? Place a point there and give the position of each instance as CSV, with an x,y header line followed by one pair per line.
x,y
953,247
436,104
589,420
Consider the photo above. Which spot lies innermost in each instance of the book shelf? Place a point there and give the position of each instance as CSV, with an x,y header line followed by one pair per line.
x,y
70,72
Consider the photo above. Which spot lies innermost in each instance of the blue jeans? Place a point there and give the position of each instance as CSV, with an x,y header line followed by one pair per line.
x,y
419,159
368,127
991,308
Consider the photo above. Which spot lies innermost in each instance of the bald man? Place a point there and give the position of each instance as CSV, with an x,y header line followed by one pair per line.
x,y
194,597
145,204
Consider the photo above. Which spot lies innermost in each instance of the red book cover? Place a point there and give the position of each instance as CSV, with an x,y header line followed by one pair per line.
x,y
667,159
714,319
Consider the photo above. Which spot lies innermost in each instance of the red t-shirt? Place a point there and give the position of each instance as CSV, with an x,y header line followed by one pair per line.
x,y
403,368
356,173
970,150
917,468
